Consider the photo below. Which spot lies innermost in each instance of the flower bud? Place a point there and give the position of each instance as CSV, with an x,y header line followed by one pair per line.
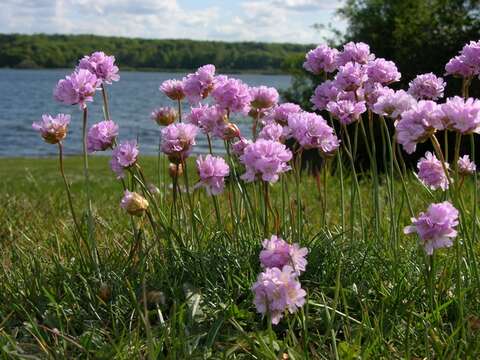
x,y
231,131
104,292
175,170
153,189
53,129
134,203
164,116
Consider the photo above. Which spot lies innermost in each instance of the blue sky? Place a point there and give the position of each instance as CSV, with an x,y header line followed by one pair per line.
x,y
249,20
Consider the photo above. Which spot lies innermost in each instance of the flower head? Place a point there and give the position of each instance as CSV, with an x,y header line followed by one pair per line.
x,y
279,114
323,94
466,166
124,156
346,111
101,136
239,146
173,89
382,71
208,118
459,66
134,203
351,76
265,159
263,97
373,91
436,227
277,291
321,59
272,131
102,65
53,129
312,132
77,88
431,173
462,115
197,86
232,95
393,104
164,116
278,253
212,171
177,140
427,87
418,124
355,52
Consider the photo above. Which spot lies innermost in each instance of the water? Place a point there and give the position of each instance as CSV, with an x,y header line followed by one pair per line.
x,y
27,94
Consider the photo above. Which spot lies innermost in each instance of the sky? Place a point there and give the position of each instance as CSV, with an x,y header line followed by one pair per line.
x,y
235,20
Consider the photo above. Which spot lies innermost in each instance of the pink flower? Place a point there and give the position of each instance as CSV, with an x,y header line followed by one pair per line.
x,y
462,115
459,66
265,159
77,88
232,95
210,119
427,87
324,93
373,91
52,129
212,171
272,131
173,89
279,114
124,156
355,52
102,65
321,59
351,76
312,132
263,97
197,86
418,124
436,227
277,291
471,52
466,166
177,140
382,71
101,136
164,116
393,104
431,173
238,147
278,253
346,111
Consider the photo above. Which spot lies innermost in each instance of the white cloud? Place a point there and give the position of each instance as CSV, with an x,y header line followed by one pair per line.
x,y
250,20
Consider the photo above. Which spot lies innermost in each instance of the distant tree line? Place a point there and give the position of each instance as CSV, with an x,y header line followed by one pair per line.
x,y
62,51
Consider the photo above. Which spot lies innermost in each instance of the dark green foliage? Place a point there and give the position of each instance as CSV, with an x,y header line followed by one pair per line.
x,y
56,51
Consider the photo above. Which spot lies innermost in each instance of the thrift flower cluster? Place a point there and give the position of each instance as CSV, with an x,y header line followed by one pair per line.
x,y
278,289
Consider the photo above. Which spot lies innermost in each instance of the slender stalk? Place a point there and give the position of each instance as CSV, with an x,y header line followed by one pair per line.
x,y
265,209
67,188
189,198
91,235
106,111
209,140
179,104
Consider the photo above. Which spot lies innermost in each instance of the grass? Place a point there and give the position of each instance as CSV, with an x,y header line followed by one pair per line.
x,y
186,297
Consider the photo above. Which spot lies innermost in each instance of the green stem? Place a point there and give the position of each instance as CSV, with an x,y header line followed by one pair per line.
x,y
106,111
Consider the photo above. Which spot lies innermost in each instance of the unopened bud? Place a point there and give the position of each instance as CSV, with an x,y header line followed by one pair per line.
x,y
104,292
231,131
164,116
153,189
133,203
175,170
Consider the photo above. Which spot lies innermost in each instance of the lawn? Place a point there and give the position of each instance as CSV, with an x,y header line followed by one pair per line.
x,y
183,291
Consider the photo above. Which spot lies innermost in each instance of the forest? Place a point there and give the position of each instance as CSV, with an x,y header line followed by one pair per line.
x,y
61,51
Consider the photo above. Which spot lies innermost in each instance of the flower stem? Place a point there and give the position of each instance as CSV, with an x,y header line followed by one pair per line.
x,y
106,111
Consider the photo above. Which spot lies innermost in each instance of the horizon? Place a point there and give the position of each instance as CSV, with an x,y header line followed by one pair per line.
x,y
270,21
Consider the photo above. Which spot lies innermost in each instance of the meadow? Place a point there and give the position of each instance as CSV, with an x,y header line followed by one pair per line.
x,y
247,254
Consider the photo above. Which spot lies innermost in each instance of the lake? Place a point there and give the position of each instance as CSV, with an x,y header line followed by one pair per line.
x,y
27,94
